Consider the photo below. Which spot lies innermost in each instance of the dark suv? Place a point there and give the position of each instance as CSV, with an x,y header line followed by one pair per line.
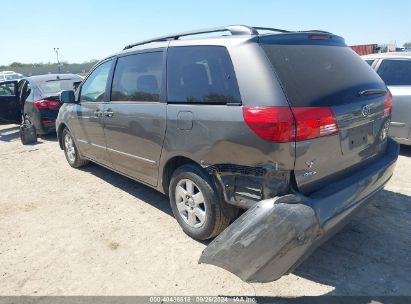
x,y
222,123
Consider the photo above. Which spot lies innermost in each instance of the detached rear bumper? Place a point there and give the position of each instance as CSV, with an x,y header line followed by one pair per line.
x,y
275,235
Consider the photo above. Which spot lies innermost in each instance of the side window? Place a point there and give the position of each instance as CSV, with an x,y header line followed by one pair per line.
x,y
28,92
94,87
7,89
370,61
138,77
201,74
25,91
395,72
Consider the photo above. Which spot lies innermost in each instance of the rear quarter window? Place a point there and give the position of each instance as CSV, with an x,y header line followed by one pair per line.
x,y
201,74
395,72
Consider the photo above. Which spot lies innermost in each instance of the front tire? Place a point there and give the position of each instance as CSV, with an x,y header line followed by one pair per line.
x,y
195,203
71,151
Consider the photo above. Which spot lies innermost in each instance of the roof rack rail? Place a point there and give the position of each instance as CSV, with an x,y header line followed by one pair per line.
x,y
270,29
233,29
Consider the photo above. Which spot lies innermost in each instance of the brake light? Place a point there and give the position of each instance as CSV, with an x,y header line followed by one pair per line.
x,y
284,124
388,104
314,122
319,37
46,104
271,123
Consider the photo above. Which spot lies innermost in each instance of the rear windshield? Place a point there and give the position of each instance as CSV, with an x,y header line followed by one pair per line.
x,y
56,86
320,75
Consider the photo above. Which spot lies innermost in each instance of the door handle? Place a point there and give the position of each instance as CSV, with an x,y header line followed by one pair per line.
x,y
109,113
98,113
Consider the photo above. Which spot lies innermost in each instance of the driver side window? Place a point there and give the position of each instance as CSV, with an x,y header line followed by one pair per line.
x,y
94,87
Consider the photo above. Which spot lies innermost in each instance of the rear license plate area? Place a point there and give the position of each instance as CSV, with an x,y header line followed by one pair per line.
x,y
360,136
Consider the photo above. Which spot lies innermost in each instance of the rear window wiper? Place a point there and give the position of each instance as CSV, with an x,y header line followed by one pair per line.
x,y
59,79
372,92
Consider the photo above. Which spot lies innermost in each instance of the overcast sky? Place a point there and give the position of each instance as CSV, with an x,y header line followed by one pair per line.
x,y
91,29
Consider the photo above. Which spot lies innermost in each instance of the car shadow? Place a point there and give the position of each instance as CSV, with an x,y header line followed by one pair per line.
x,y
405,150
9,134
12,133
136,189
371,255
49,137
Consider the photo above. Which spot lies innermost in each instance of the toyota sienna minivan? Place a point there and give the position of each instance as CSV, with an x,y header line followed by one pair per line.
x,y
228,123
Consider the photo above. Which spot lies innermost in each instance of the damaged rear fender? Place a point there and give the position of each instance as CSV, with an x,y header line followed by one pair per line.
x,y
275,235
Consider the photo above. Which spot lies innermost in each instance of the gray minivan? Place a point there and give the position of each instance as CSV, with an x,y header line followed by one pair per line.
x,y
289,125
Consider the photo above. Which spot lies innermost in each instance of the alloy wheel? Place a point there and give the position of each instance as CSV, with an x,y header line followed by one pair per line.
x,y
190,203
69,147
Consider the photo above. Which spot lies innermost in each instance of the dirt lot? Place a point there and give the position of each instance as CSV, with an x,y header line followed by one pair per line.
x,y
93,232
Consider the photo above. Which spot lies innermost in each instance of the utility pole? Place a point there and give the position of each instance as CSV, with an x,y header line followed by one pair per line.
x,y
57,54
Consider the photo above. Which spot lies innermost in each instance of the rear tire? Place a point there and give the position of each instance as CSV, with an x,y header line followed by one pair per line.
x,y
196,204
71,151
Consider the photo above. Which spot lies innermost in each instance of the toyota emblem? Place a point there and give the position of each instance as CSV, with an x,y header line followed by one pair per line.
x,y
365,111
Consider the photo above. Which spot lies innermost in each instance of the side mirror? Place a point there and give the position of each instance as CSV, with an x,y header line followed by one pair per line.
x,y
67,97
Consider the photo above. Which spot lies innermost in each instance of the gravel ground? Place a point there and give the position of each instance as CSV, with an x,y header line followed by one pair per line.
x,y
93,232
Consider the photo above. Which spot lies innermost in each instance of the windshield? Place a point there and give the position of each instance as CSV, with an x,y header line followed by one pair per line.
x,y
56,86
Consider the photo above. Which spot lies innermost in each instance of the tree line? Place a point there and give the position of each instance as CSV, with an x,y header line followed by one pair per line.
x,y
48,64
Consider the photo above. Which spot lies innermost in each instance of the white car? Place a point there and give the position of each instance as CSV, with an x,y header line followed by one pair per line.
x,y
395,70
10,75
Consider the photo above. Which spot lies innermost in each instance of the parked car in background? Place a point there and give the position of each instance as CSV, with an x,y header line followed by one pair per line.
x,y
290,125
10,75
38,98
395,70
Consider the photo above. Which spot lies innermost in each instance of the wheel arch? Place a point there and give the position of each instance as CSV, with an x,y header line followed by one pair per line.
x,y
59,130
170,166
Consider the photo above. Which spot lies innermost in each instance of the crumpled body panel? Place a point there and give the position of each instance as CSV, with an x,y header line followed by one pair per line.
x,y
266,242
275,235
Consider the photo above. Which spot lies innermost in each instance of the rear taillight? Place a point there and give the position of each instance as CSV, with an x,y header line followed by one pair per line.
x,y
284,124
388,104
314,122
46,104
271,123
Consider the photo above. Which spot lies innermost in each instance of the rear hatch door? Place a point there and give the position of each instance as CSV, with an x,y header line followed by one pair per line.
x,y
318,70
